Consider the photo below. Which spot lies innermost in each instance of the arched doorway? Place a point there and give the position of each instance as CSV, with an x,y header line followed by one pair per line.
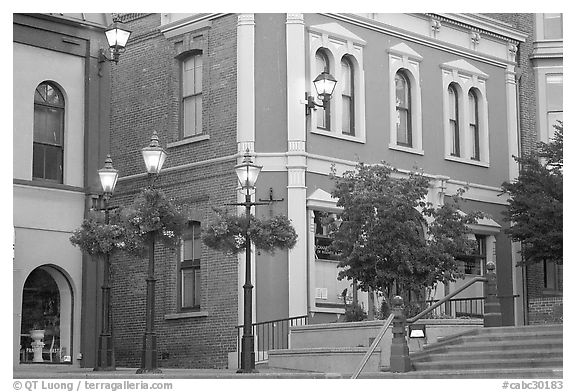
x,y
46,307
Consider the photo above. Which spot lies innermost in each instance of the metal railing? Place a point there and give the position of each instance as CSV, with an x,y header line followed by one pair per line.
x,y
472,307
420,315
270,335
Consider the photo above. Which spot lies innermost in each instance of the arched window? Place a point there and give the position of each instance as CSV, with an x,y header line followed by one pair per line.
x,y
192,96
347,96
403,110
48,149
453,119
474,128
323,114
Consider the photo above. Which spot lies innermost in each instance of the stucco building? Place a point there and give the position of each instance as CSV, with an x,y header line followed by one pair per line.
x,y
60,139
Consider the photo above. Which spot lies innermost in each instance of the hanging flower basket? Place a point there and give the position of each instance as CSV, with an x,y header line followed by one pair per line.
x,y
98,238
228,233
152,214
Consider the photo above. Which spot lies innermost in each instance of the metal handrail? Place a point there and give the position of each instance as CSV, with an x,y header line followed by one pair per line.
x,y
445,299
410,321
372,347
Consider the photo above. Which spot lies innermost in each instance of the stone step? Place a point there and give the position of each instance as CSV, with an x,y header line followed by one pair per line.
x,y
511,373
469,364
462,354
490,338
501,346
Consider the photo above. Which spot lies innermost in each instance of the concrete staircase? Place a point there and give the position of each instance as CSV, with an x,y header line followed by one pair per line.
x,y
501,352
504,352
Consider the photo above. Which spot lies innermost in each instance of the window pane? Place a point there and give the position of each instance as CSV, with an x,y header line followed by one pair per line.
x,y
455,149
197,242
553,118
53,163
197,286
198,112
321,113
554,87
187,81
187,246
401,91
552,26
472,108
402,127
189,116
188,287
38,161
346,113
198,74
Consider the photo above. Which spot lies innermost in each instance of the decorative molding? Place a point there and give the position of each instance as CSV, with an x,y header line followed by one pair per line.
x,y
435,26
474,40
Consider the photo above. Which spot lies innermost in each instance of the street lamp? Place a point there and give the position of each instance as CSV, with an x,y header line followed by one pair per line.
x,y
117,36
247,173
154,157
106,361
324,85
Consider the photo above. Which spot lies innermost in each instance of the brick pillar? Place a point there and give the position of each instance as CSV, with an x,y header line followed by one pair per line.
x,y
492,314
399,356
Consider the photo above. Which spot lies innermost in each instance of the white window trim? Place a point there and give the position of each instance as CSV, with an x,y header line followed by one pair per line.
x,y
402,57
466,77
338,42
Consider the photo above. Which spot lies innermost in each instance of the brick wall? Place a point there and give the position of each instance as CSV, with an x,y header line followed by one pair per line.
x,y
545,310
145,98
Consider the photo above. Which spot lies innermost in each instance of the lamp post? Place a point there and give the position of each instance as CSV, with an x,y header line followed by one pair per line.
x,y
154,157
117,36
324,85
106,361
247,173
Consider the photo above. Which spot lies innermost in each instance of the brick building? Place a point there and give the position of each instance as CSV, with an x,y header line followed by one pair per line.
x,y
214,85
540,87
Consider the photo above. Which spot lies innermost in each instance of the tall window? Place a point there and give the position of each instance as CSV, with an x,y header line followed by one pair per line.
x,y
192,96
453,118
475,263
189,268
347,97
48,149
554,102
403,110
553,26
474,129
323,114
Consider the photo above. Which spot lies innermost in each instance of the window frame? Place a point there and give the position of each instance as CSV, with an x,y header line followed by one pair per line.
x,y
58,146
407,109
404,59
193,228
349,94
338,43
323,112
466,78
198,129
454,119
474,124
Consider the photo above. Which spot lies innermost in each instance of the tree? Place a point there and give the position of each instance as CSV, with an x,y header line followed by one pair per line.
x,y
381,239
535,202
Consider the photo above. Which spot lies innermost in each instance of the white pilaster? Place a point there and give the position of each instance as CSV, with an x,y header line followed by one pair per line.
x,y
296,163
245,95
245,119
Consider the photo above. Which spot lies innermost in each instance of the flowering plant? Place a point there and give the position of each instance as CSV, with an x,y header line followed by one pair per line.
x,y
228,233
152,214
98,238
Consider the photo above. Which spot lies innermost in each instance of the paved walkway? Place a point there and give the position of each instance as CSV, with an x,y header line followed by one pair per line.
x,y
40,371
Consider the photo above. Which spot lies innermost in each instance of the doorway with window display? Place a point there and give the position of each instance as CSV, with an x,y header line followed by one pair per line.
x,y
45,331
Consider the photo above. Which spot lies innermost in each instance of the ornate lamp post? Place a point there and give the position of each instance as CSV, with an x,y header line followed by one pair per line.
x,y
154,157
247,173
108,177
117,36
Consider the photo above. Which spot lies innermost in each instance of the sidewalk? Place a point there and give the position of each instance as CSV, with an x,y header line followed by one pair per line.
x,y
41,371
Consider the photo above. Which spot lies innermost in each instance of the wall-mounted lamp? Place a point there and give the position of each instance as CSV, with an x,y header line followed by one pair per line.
x,y
324,85
417,330
117,35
